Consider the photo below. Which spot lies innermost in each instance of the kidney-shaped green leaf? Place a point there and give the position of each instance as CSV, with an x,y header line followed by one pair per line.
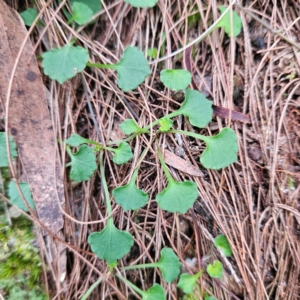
x,y
122,154
197,108
83,163
142,3
178,196
110,244
3,152
221,242
221,150
15,197
64,63
132,69
156,292
176,79
225,22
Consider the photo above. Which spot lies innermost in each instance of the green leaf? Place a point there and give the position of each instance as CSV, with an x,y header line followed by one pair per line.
x,y
132,69
221,242
152,52
94,5
142,3
225,22
129,196
188,282
178,196
75,140
176,79
156,292
15,198
110,244
3,152
83,163
81,13
64,63
122,154
165,124
28,16
221,150
215,270
210,298
129,126
197,108
168,264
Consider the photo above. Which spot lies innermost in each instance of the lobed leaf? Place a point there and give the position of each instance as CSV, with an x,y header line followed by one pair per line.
x,y
64,63
75,140
28,16
142,3
165,124
3,151
129,196
169,264
83,163
225,22
132,69
156,292
110,244
221,150
197,108
178,196
221,242
176,79
129,126
15,197
187,282
122,154
94,5
215,270
81,13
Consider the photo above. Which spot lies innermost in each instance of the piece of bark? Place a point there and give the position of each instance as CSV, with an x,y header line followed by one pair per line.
x,y
180,164
29,119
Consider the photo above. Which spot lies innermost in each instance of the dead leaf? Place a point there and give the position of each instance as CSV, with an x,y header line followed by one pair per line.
x,y
181,164
29,120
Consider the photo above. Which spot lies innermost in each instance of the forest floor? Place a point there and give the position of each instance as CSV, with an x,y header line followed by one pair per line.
x,y
253,202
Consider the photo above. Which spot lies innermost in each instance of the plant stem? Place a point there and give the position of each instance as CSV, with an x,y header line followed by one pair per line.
x,y
104,185
131,137
192,134
101,66
141,266
89,291
127,282
164,166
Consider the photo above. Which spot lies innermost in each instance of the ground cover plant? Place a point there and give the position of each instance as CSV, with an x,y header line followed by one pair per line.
x,y
141,227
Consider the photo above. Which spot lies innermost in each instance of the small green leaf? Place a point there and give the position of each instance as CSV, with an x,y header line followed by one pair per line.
x,y
75,140
122,154
178,196
221,150
142,3
28,16
168,264
165,124
110,244
215,270
197,108
156,292
152,52
176,79
83,163
132,69
129,126
64,63
3,152
210,298
221,242
81,13
129,196
225,22
187,282
94,5
15,198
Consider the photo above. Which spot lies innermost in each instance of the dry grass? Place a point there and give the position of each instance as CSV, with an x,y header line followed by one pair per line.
x,y
254,202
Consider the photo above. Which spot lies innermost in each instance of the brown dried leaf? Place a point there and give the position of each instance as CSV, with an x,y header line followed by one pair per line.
x,y
29,119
